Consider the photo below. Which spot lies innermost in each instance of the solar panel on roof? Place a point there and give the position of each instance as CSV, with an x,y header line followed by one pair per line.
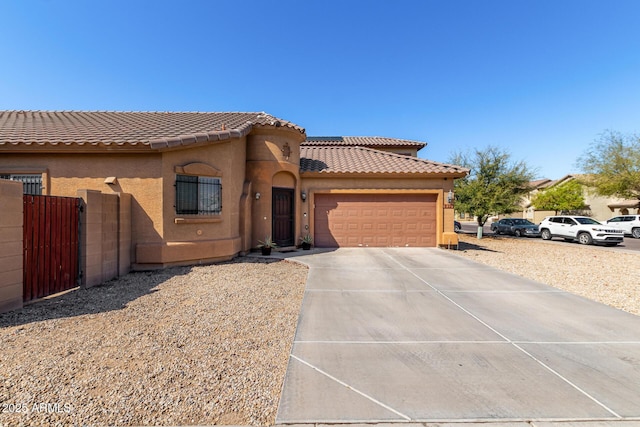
x,y
325,138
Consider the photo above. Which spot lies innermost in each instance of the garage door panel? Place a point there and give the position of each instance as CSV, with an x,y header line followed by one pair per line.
x,y
335,225
368,241
352,241
375,220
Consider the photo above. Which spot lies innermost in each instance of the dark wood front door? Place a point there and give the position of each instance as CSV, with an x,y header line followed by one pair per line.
x,y
283,221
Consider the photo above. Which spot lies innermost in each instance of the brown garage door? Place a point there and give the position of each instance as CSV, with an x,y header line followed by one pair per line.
x,y
377,220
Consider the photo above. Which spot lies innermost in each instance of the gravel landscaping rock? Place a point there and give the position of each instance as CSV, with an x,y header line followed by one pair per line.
x,y
181,346
210,344
606,275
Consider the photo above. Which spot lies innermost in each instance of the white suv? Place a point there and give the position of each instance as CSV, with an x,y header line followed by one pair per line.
x,y
581,228
630,224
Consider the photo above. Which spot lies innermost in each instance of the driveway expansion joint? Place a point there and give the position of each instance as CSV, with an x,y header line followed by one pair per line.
x,y
418,338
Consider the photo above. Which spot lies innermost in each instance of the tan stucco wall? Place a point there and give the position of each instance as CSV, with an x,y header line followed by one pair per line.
x,y
138,175
247,166
229,159
439,186
10,245
599,205
150,177
267,167
198,238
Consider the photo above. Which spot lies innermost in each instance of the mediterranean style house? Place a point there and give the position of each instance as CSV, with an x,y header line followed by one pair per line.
x,y
205,187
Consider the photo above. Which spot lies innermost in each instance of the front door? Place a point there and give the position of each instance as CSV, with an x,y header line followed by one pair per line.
x,y
283,221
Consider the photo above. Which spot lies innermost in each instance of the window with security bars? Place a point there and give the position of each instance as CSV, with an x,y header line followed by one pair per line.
x,y
31,183
198,195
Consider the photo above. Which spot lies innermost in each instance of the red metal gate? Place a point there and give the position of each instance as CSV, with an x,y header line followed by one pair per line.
x,y
50,245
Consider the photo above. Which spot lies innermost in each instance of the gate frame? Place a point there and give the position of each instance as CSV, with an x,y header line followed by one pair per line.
x,y
51,245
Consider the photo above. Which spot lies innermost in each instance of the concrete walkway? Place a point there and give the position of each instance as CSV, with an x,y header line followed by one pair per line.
x,y
421,335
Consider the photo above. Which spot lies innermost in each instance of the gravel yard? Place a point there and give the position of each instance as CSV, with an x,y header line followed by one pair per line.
x,y
188,345
210,344
605,275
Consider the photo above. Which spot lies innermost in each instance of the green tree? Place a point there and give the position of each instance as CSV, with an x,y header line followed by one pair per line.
x,y
612,165
567,196
495,184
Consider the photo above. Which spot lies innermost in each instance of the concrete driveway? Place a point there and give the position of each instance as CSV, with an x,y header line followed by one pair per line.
x,y
423,335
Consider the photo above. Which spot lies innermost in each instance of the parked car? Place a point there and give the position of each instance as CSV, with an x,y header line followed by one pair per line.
x,y
583,229
516,226
456,226
630,224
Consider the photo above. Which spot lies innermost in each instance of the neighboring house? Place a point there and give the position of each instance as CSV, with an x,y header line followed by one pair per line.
x,y
209,186
392,145
596,206
528,210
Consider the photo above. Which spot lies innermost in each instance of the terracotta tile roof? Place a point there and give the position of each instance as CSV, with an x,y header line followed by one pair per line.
x,y
108,128
362,141
365,160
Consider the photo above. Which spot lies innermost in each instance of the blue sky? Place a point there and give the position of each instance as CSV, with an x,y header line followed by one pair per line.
x,y
541,79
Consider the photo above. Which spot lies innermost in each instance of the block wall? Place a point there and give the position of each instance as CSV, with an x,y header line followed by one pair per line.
x,y
105,236
10,245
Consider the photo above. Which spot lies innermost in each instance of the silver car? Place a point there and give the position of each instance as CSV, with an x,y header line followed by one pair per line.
x,y
516,226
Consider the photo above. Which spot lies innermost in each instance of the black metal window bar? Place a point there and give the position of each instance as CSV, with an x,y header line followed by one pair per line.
x,y
31,184
198,195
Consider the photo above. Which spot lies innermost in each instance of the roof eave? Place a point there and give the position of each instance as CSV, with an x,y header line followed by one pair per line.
x,y
184,141
84,147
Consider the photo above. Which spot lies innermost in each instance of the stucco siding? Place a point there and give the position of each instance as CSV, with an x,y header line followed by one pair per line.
x,y
198,238
139,175
229,159
268,167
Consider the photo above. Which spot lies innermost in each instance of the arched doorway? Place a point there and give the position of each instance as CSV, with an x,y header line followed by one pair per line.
x,y
283,216
283,209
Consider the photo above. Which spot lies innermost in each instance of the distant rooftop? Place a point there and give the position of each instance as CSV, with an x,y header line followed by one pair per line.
x,y
362,141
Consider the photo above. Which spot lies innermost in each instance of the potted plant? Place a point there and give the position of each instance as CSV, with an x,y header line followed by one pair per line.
x,y
306,242
266,245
